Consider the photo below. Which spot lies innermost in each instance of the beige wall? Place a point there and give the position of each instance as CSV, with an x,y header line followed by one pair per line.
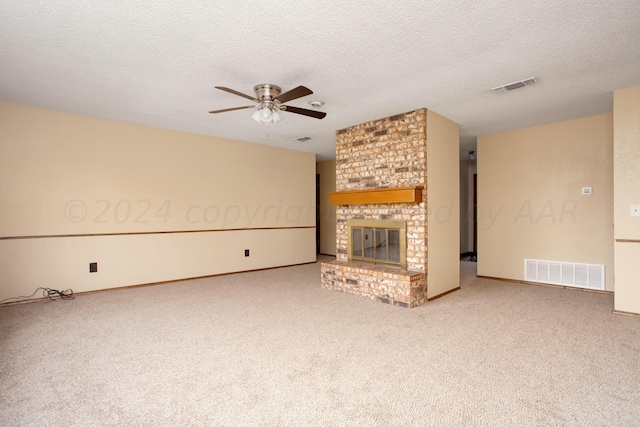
x,y
529,197
327,171
66,175
626,129
443,205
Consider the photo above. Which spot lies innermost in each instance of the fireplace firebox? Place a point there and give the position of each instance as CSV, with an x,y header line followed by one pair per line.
x,y
381,242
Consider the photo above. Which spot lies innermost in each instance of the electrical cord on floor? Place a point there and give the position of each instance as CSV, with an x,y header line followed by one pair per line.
x,y
52,294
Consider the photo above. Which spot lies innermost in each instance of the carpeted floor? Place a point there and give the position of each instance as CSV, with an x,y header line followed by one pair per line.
x,y
273,348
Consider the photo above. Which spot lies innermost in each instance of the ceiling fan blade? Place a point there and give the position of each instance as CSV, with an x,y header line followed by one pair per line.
x,y
235,92
294,93
305,112
231,109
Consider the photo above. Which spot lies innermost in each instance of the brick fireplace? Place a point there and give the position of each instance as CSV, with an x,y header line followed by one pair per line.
x,y
381,175
387,153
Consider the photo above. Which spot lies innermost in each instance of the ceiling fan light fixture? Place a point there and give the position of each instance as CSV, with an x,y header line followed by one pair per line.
x,y
276,116
257,114
266,113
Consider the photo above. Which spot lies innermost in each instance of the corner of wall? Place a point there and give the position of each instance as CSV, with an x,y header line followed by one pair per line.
x,y
443,204
626,129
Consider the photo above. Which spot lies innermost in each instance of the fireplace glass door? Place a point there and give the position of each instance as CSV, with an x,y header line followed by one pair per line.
x,y
382,242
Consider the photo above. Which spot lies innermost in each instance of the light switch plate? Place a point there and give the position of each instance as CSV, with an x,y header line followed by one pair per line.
x,y
635,210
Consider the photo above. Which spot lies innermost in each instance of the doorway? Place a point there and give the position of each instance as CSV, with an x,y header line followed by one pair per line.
x,y
474,255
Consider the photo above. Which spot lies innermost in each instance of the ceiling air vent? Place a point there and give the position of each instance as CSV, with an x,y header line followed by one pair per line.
x,y
303,139
516,85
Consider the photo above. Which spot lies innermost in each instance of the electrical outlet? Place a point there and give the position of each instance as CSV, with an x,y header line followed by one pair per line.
x,y
635,210
246,252
93,267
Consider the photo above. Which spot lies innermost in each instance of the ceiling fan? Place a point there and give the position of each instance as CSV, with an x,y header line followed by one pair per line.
x,y
271,101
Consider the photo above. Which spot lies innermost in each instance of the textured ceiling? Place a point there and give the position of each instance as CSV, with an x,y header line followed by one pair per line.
x,y
156,62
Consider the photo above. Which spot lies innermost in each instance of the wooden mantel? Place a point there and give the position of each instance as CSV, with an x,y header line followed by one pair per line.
x,y
377,196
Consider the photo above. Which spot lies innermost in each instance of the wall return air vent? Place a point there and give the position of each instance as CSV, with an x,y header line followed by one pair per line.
x,y
516,85
587,276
